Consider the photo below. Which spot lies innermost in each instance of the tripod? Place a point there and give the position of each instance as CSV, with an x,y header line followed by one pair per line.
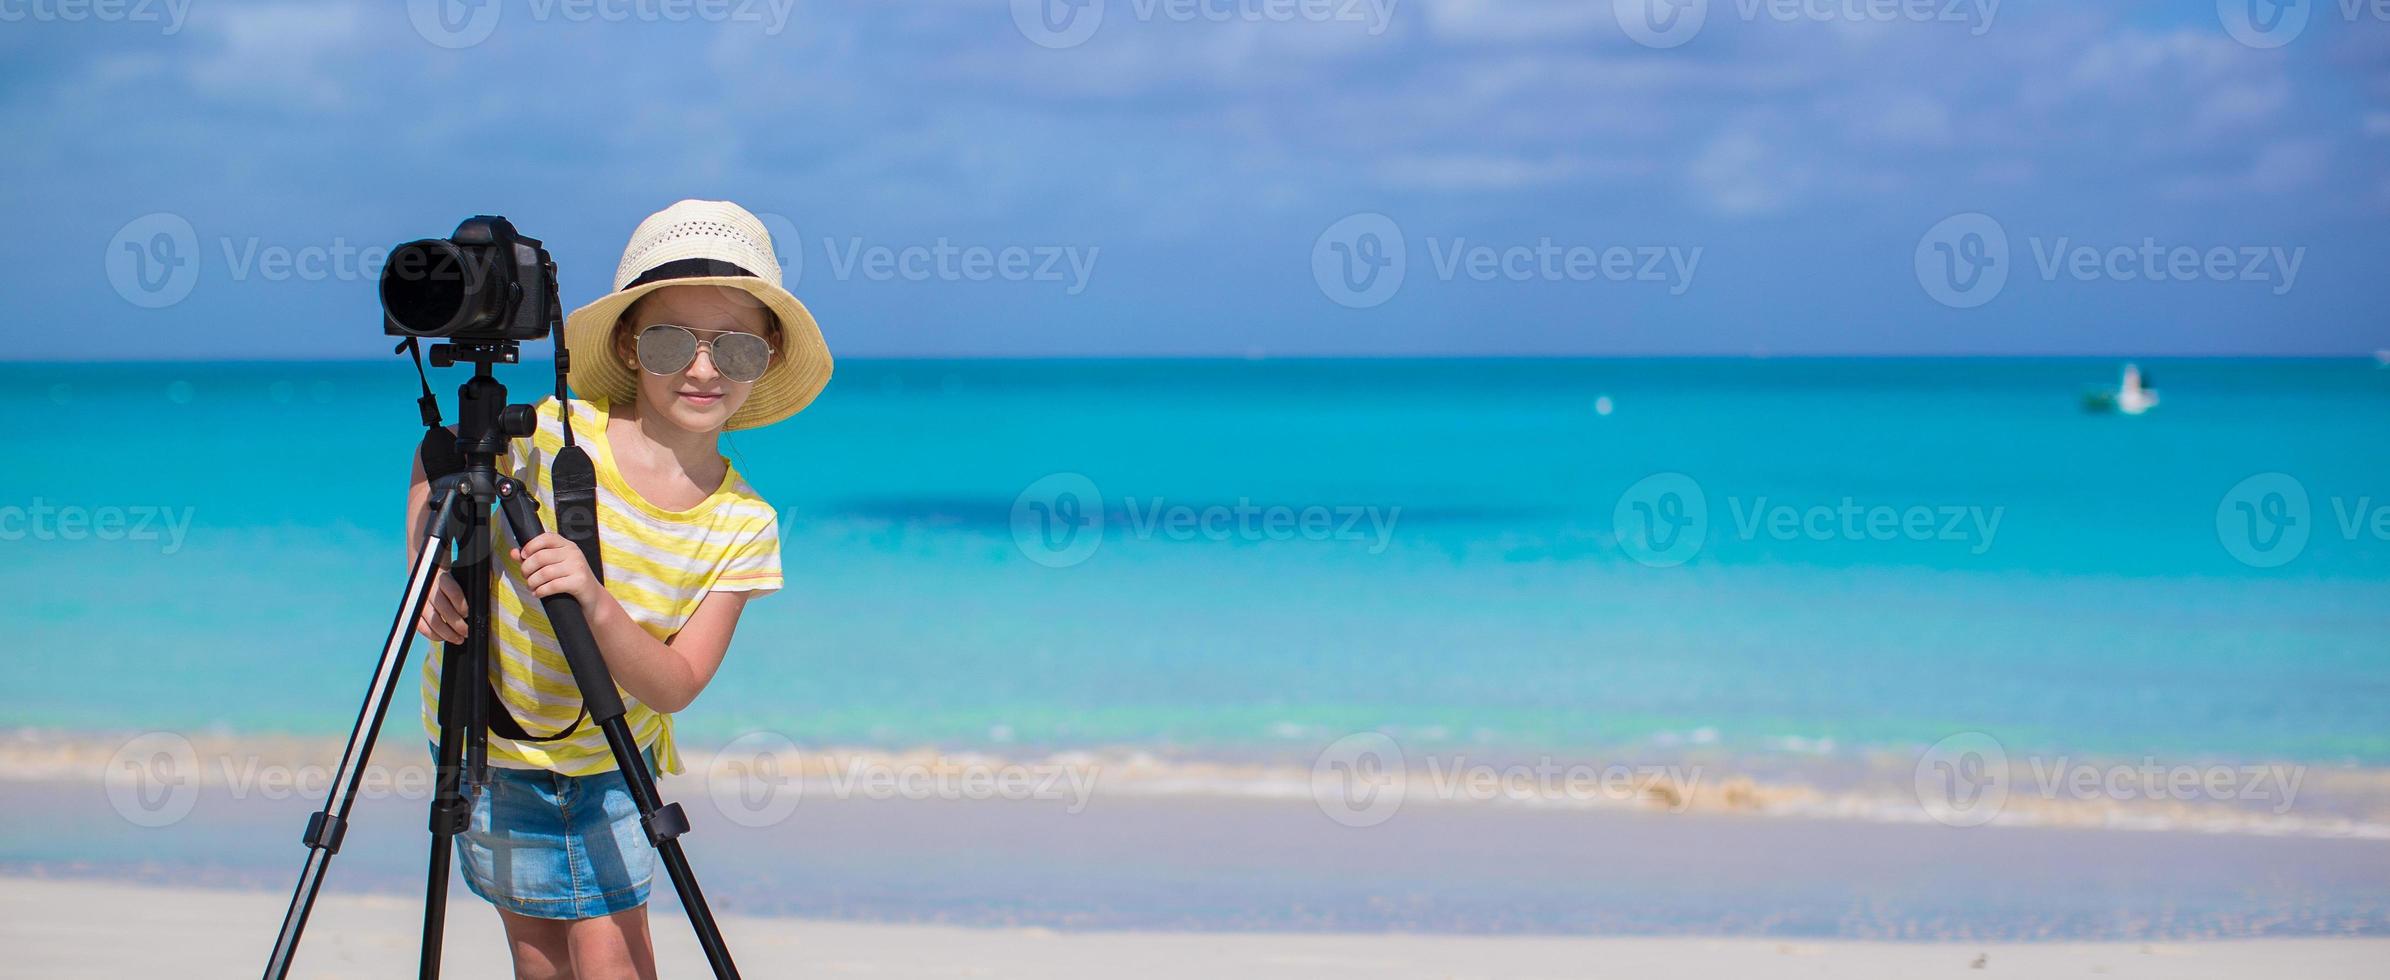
x,y
461,503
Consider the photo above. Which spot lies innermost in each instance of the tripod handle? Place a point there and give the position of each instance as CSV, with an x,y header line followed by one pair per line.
x,y
564,613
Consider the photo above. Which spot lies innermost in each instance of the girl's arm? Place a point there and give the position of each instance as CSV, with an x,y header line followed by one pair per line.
x,y
443,618
664,676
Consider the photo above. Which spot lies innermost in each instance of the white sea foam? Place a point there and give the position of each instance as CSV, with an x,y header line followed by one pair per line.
x,y
1089,776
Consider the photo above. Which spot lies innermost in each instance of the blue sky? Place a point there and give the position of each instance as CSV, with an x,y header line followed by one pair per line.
x,y
1182,177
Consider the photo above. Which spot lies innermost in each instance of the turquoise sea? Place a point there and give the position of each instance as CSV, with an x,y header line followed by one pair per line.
x,y
1459,555
1805,572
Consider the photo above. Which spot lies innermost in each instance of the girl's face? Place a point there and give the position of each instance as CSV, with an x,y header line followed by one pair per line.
x,y
697,398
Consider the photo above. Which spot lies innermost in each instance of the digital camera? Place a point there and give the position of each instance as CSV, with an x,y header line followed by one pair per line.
x,y
485,283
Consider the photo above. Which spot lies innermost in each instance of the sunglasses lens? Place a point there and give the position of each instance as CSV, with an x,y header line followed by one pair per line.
x,y
741,356
666,349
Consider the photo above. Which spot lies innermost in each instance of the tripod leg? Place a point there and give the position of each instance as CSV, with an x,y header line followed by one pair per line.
x,y
665,822
328,825
450,809
459,755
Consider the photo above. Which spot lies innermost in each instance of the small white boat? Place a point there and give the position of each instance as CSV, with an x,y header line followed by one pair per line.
x,y
2132,396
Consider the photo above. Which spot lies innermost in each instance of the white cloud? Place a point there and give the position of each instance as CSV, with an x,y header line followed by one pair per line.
x,y
1497,172
2274,170
1517,20
2290,165
1744,170
287,54
1899,119
2229,89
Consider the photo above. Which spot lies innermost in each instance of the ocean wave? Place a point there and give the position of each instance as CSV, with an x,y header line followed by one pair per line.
x,y
1343,780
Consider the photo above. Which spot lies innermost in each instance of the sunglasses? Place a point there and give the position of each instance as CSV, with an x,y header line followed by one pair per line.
x,y
667,349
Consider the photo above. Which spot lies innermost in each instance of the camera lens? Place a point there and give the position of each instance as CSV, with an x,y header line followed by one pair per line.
x,y
433,288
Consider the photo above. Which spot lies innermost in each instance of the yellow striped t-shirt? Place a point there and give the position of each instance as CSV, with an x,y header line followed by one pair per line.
x,y
659,565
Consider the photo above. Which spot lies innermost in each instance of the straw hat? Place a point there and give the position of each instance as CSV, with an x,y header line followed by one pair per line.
x,y
701,243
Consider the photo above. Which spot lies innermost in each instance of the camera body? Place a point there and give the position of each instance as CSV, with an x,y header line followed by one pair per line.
x,y
487,283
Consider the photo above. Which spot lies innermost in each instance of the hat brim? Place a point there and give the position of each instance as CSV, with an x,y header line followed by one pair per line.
x,y
798,373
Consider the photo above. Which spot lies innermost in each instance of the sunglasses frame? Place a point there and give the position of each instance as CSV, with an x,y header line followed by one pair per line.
x,y
702,344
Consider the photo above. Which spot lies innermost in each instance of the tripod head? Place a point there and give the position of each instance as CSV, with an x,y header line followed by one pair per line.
x,y
485,421
485,424
476,352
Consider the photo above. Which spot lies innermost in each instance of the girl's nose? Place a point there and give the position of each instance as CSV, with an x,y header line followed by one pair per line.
x,y
702,366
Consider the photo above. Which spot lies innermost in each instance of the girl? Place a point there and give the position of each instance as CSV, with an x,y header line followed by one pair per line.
x,y
697,337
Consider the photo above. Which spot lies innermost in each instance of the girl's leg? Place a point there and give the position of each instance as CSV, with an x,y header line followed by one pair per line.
x,y
613,947
541,947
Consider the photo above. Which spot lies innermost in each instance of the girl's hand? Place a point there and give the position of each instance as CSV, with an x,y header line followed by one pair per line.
x,y
553,565
443,617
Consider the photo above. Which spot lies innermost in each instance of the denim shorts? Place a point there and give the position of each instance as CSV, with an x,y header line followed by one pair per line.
x,y
552,846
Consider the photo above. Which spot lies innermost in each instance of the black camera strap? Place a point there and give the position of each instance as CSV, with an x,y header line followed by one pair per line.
x,y
428,404
574,479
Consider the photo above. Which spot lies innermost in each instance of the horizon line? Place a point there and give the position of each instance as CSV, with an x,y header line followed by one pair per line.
x,y
2379,356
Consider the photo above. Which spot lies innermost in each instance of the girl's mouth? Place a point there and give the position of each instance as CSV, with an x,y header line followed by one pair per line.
x,y
700,400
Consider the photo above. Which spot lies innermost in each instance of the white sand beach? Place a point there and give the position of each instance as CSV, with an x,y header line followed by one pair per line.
x,y
71,929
